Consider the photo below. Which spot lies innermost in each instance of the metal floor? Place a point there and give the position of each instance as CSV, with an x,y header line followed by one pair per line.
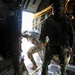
x,y
53,68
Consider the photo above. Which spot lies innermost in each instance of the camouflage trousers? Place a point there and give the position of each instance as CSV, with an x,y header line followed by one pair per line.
x,y
49,54
35,49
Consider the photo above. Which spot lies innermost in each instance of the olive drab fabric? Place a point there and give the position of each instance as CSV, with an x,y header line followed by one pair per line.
x,y
60,35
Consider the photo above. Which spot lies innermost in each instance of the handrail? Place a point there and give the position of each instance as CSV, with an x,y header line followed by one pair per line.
x,y
35,70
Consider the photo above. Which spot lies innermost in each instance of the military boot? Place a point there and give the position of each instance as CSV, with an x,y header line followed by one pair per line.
x,y
34,66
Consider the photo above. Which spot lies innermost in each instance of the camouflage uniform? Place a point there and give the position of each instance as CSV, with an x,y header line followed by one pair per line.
x,y
34,49
33,37
49,54
59,30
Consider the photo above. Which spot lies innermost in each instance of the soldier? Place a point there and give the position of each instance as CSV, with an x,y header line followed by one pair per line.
x,y
59,30
33,37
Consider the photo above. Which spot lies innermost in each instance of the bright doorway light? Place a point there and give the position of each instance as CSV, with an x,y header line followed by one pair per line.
x,y
27,19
